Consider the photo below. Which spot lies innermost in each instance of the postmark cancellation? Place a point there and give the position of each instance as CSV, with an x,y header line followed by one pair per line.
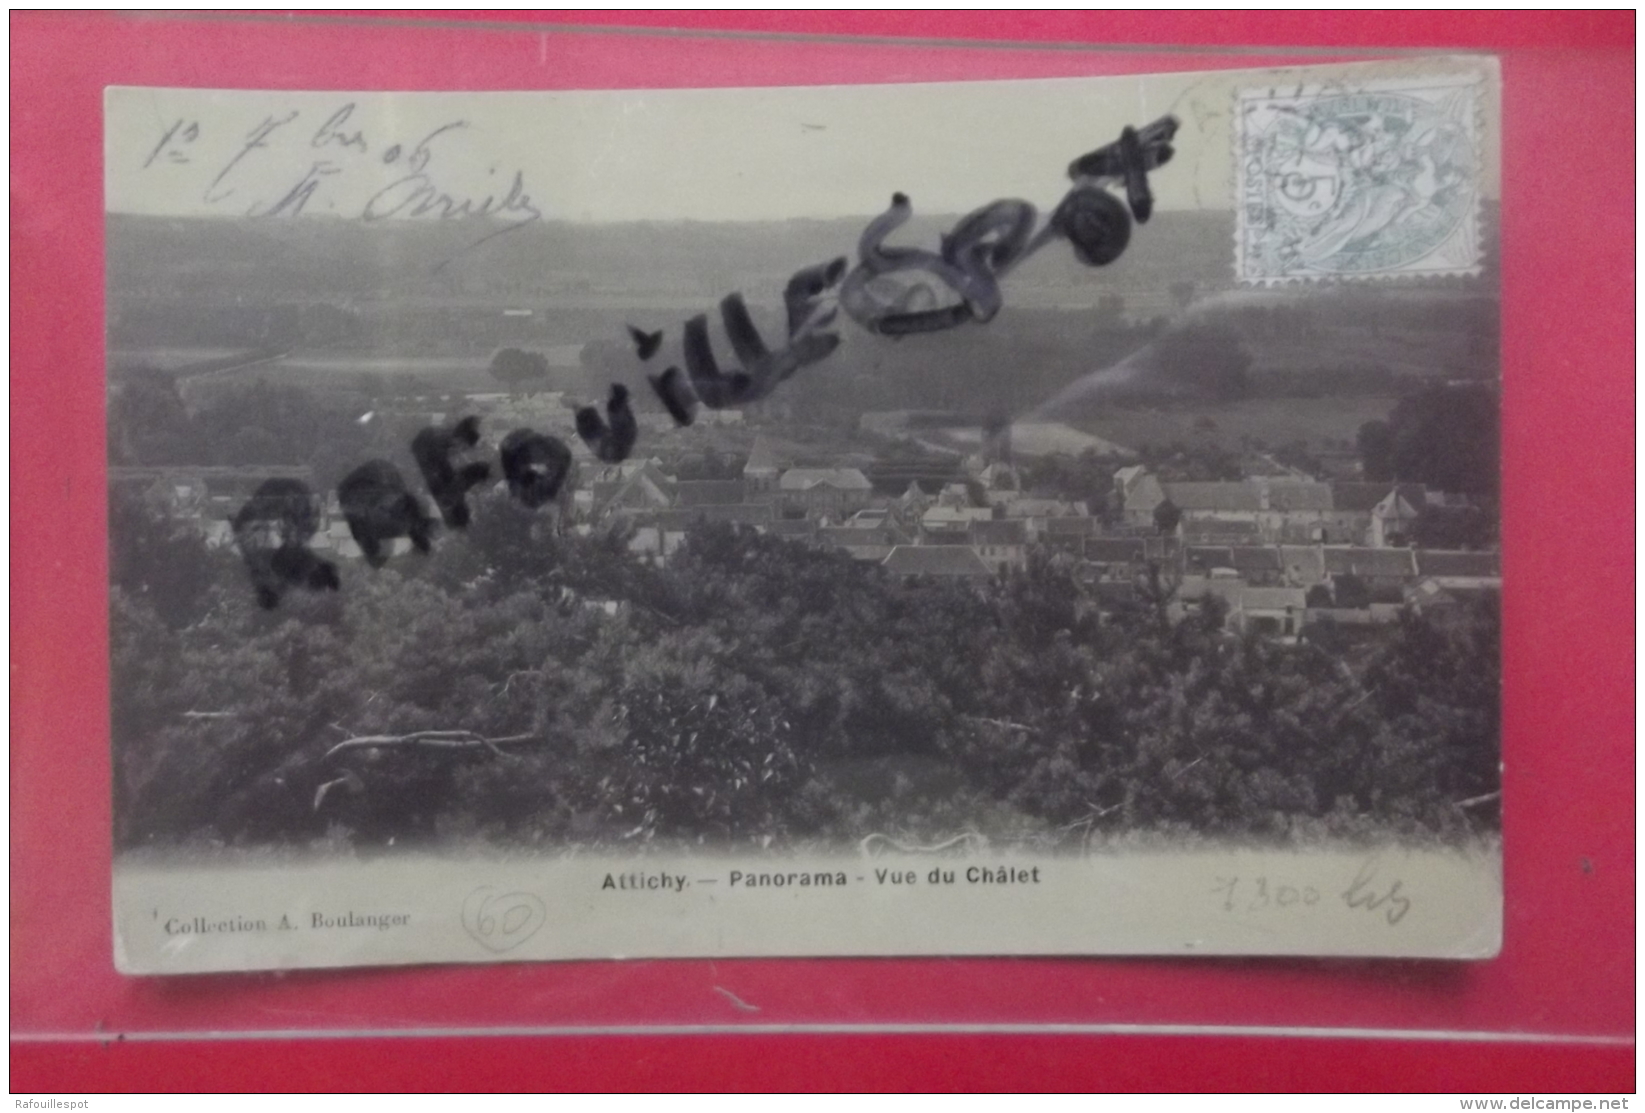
x,y
1374,180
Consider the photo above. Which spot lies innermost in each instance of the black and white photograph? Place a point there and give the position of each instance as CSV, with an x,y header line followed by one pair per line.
x,y
1045,517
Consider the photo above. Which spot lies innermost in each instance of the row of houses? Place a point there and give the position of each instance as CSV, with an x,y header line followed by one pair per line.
x,y
1272,510
1265,578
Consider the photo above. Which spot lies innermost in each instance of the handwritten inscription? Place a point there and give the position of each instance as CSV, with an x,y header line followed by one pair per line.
x,y
1368,892
1255,894
890,290
302,162
502,921
1377,896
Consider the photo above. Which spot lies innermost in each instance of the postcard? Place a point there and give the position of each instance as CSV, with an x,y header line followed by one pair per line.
x,y
1048,517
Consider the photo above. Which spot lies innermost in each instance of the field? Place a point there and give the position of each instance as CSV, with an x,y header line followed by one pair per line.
x,y
1273,421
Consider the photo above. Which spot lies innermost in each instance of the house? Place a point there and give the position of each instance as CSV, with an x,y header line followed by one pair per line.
x,y
1239,502
656,542
1258,565
761,471
1434,598
207,497
1002,545
1449,579
1126,480
1137,496
1064,535
862,544
1392,520
1296,512
1347,622
1047,508
836,491
1000,483
912,503
709,492
955,496
742,513
1463,570
1275,611
1354,503
949,520
999,477
935,560
1382,570
1295,497
1202,560
635,486
1302,565
1116,557
1448,562
803,529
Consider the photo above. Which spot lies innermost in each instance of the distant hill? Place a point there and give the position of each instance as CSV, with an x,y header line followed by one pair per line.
x,y
694,262
426,289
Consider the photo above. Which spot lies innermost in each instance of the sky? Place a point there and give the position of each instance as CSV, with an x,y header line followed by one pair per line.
x,y
665,155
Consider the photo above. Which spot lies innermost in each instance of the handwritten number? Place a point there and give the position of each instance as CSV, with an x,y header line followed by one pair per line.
x,y
171,144
422,152
1227,886
1280,896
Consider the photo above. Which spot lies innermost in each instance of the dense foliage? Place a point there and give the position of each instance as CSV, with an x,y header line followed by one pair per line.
x,y
758,690
1448,437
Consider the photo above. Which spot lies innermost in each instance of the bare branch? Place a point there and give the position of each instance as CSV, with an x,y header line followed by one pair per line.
x,y
521,674
1006,723
436,739
349,780
972,839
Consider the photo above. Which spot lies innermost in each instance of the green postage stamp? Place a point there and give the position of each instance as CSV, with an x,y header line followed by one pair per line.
x,y
1371,180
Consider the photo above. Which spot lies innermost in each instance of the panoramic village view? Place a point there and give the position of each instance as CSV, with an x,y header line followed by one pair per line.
x,y
1146,555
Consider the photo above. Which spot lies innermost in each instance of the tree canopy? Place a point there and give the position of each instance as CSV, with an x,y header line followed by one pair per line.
x,y
518,369
754,690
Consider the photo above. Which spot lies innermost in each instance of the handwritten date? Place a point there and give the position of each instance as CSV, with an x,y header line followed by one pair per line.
x,y
299,161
